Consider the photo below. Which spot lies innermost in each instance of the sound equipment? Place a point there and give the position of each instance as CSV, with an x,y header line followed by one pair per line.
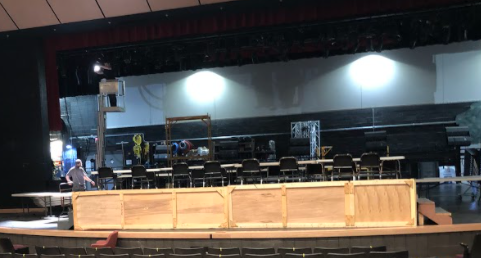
x,y
299,150
376,141
457,131
375,136
300,142
458,136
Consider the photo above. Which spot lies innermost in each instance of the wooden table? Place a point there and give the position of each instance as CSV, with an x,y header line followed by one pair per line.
x,y
438,181
46,196
262,164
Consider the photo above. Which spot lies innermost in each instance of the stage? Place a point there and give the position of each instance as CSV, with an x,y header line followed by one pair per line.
x,y
420,241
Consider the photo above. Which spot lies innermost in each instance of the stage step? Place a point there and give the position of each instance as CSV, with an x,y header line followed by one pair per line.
x,y
428,209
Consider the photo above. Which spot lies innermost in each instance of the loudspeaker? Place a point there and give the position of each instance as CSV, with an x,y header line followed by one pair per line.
x,y
376,146
459,140
299,150
300,142
457,131
375,136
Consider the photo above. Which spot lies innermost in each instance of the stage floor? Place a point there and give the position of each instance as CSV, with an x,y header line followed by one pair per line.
x,y
463,210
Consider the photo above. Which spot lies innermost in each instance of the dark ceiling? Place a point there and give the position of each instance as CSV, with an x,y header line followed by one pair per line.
x,y
395,30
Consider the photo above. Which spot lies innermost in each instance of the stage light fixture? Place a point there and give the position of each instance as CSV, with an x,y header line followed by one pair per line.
x,y
99,67
372,71
68,147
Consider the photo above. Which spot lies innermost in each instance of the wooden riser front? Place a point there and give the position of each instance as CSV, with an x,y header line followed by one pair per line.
x,y
376,203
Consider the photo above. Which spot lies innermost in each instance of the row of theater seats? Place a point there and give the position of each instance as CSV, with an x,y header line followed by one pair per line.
x,y
208,252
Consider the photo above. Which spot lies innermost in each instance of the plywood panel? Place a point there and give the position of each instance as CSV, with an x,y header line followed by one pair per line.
x,y
260,207
315,205
30,13
74,10
158,5
6,24
98,212
200,210
382,203
147,211
112,8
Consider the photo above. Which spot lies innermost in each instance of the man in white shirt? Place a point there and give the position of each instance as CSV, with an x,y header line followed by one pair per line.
x,y
76,176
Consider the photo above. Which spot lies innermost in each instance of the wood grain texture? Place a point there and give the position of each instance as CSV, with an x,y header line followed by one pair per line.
x,y
200,210
258,208
98,212
376,203
379,203
308,205
148,211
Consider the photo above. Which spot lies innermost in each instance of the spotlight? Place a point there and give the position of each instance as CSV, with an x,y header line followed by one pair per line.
x,y
99,67
68,147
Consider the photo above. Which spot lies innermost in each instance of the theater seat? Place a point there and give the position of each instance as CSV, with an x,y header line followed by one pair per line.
x,y
111,241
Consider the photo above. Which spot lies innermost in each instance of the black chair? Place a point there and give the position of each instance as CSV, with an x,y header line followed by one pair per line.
x,y
49,250
197,176
214,172
369,165
106,175
199,255
97,251
293,250
153,251
344,165
80,256
251,169
263,255
274,173
25,256
139,172
351,255
223,251
326,250
223,255
192,250
180,173
149,256
73,250
6,255
368,249
6,246
289,165
390,169
312,255
393,254
128,250
262,251
51,255
314,171
475,251
114,256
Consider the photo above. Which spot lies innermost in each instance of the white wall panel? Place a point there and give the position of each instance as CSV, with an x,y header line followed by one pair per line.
x,y
305,86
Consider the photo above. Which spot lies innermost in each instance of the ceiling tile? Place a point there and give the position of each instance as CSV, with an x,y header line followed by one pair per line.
x,y
112,8
76,10
158,5
6,23
30,13
214,1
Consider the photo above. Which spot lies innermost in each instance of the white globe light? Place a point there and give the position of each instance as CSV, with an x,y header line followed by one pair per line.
x,y
372,71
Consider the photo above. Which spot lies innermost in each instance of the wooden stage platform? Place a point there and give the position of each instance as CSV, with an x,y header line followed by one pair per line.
x,y
341,204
